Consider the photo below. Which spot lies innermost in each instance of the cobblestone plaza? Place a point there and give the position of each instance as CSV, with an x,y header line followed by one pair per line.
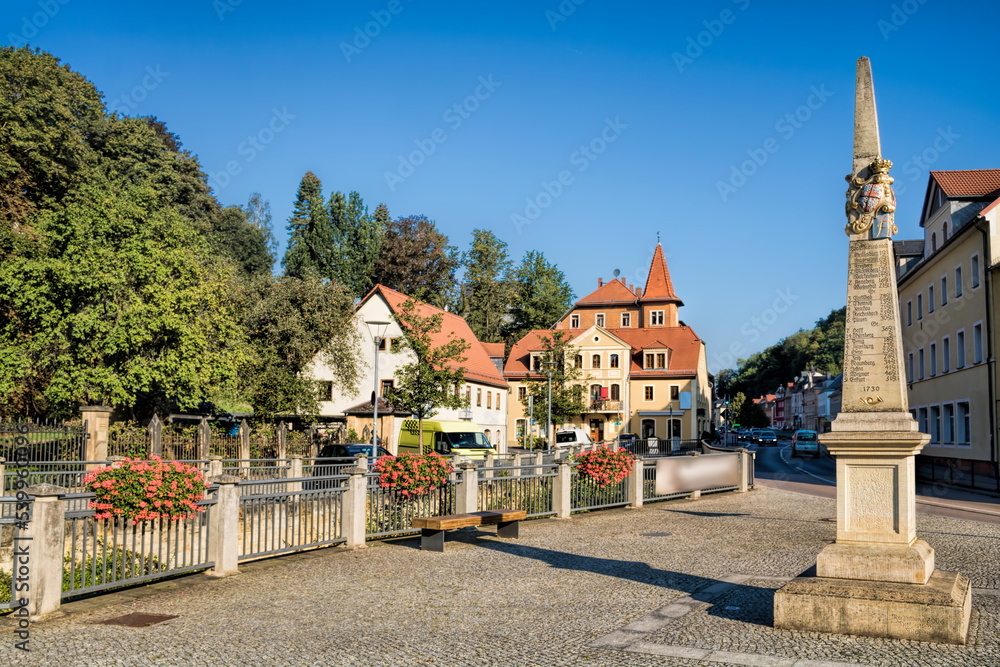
x,y
674,583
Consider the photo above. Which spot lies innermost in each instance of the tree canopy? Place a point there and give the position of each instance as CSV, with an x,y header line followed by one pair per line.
x,y
487,293
417,260
542,296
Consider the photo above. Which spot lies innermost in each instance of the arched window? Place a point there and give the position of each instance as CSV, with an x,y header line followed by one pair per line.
x,y
614,361
595,392
933,241
616,392
487,434
579,361
648,428
944,231
595,361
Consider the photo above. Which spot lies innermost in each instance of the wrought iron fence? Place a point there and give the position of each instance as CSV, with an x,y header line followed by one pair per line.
x,y
586,494
255,469
278,522
390,512
517,489
8,517
45,441
67,474
110,553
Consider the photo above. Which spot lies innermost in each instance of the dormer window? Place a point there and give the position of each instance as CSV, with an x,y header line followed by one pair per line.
x,y
599,319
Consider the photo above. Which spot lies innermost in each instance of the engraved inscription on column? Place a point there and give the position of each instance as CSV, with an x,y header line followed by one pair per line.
x,y
872,365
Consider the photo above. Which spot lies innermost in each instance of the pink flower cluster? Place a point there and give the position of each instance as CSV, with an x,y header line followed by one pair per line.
x,y
413,474
146,490
606,466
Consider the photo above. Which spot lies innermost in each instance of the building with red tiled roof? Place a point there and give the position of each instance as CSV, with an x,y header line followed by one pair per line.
x,y
951,328
485,387
643,370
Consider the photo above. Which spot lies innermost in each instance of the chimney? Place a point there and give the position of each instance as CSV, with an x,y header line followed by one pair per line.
x,y
600,282
638,291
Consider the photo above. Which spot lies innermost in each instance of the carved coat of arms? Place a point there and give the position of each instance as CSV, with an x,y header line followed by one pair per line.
x,y
872,200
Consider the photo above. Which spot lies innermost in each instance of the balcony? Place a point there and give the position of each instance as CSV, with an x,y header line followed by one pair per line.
x,y
605,405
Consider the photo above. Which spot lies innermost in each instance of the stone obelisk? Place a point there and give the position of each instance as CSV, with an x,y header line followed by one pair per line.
x,y
877,579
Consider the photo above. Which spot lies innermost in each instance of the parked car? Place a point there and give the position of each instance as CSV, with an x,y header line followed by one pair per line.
x,y
767,438
805,442
572,437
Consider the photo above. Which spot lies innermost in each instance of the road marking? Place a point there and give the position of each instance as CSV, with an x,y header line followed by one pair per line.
x,y
781,454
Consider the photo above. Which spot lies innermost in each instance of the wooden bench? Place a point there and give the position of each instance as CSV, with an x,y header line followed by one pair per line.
x,y
432,527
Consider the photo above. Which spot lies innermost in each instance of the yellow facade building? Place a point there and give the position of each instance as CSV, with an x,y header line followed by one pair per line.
x,y
643,370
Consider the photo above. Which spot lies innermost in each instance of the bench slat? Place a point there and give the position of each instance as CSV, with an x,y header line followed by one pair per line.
x,y
472,519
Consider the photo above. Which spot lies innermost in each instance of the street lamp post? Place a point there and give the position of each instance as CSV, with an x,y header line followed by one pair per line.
x,y
377,330
548,423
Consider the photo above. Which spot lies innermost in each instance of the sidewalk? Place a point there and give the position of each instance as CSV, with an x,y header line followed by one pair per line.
x,y
675,583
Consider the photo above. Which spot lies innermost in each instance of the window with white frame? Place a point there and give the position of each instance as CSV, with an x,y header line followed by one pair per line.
x,y
522,393
613,361
574,321
944,290
945,354
962,423
974,271
655,317
977,343
960,349
920,306
647,392
933,353
909,313
595,361
599,319
920,364
626,320
958,281
947,424
930,298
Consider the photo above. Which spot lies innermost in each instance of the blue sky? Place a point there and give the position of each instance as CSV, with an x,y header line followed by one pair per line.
x,y
579,128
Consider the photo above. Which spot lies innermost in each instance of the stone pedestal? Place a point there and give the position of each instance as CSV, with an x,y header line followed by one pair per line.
x,y
937,611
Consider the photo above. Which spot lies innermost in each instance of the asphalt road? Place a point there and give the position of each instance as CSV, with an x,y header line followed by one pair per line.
x,y
775,467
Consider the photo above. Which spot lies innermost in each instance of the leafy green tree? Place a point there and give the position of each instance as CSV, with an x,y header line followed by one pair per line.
x,y
735,408
568,393
417,260
359,239
542,296
486,289
431,381
240,234
291,322
311,247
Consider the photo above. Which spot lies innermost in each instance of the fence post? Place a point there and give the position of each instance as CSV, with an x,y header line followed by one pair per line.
x,y
155,430
96,418
38,551
468,489
224,527
696,494
562,502
214,466
3,476
204,439
295,472
490,462
746,470
355,506
282,432
313,441
244,439
517,464
635,484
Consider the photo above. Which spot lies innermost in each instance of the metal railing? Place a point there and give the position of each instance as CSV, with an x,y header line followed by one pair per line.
x,y
254,469
649,484
110,553
67,474
586,494
43,442
8,517
518,488
390,512
278,522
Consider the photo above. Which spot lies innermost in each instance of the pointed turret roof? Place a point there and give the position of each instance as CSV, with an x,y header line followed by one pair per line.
x,y
659,287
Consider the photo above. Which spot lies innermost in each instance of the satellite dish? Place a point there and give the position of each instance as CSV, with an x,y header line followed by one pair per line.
x,y
617,273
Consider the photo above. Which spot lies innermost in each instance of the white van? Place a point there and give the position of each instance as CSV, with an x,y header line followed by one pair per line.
x,y
572,437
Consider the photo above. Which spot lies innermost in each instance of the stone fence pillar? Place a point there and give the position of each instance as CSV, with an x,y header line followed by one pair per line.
x,y
634,484
355,508
97,419
214,466
282,433
561,498
517,464
204,439
295,472
244,434
695,495
155,431
746,470
467,499
38,551
224,527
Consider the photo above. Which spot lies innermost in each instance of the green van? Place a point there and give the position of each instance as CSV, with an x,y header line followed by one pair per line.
x,y
445,437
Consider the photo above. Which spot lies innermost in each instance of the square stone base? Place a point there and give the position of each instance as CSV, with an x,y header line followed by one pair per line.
x,y
898,563
937,611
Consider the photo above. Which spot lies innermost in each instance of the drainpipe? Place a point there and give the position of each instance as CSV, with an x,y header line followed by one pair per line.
x,y
983,226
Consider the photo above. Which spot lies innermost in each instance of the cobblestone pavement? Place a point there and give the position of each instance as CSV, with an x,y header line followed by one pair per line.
x,y
677,583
